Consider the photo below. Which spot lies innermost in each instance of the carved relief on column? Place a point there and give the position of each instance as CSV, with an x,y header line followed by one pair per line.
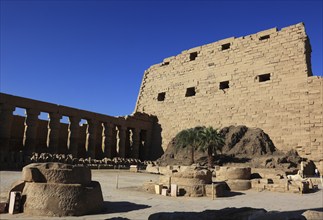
x,y
91,137
135,142
73,135
6,117
30,134
53,132
121,141
109,140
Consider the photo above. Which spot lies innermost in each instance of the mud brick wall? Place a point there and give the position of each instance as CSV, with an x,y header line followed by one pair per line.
x,y
261,80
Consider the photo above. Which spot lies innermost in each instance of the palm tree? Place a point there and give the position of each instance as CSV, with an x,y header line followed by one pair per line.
x,y
188,138
211,141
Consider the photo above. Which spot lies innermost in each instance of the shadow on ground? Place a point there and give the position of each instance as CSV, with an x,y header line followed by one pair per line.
x,y
232,194
117,218
123,206
233,213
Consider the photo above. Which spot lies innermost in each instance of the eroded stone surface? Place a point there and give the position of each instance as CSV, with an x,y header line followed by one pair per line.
x,y
52,199
56,173
56,189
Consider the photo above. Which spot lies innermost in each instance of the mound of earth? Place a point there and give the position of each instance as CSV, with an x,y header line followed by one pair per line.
x,y
242,144
247,142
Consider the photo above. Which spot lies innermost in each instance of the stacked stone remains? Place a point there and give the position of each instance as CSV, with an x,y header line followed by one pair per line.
x,y
277,181
237,178
105,163
191,181
56,189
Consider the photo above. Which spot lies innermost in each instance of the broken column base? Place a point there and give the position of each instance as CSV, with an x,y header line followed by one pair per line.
x,y
52,199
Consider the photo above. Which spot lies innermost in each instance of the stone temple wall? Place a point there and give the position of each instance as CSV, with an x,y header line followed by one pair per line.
x,y
261,80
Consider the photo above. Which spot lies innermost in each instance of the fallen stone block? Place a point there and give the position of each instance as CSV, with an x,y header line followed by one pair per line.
x,y
220,189
152,169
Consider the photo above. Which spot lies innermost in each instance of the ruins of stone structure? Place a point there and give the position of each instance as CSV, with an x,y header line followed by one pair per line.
x,y
56,189
102,135
261,80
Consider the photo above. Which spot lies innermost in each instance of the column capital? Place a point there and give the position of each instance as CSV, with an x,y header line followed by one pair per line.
x,y
122,128
54,115
32,111
74,121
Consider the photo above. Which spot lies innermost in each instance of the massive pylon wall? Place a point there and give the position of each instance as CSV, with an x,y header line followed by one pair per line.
x,y
261,80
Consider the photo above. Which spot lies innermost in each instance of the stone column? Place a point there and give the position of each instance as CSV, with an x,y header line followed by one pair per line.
x,y
122,141
128,143
6,117
30,134
73,135
53,132
135,142
147,145
91,133
109,140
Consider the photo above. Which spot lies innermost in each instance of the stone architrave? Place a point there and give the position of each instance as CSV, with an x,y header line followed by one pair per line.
x,y
6,116
53,132
30,133
73,135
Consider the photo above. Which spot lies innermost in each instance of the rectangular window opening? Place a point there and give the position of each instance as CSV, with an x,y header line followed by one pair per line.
x,y
264,37
161,96
264,77
224,85
225,46
165,63
190,92
193,56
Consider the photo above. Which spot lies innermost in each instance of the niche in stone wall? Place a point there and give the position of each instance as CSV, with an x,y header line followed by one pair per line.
x,y
193,56
161,96
264,37
190,92
264,77
224,85
165,64
225,46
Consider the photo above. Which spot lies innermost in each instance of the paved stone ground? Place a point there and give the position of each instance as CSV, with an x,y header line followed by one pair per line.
x,y
129,203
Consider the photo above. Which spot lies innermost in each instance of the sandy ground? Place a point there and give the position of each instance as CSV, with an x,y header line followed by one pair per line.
x,y
129,203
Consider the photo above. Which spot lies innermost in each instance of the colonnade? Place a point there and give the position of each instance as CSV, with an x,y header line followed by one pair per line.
x,y
128,136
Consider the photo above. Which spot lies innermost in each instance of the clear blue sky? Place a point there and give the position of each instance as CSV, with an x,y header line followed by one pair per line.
x,y
92,54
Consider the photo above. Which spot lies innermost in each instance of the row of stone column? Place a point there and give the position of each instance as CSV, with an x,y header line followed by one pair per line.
x,y
115,138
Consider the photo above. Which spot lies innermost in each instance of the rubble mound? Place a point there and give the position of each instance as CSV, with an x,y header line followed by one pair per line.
x,y
242,144
248,142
